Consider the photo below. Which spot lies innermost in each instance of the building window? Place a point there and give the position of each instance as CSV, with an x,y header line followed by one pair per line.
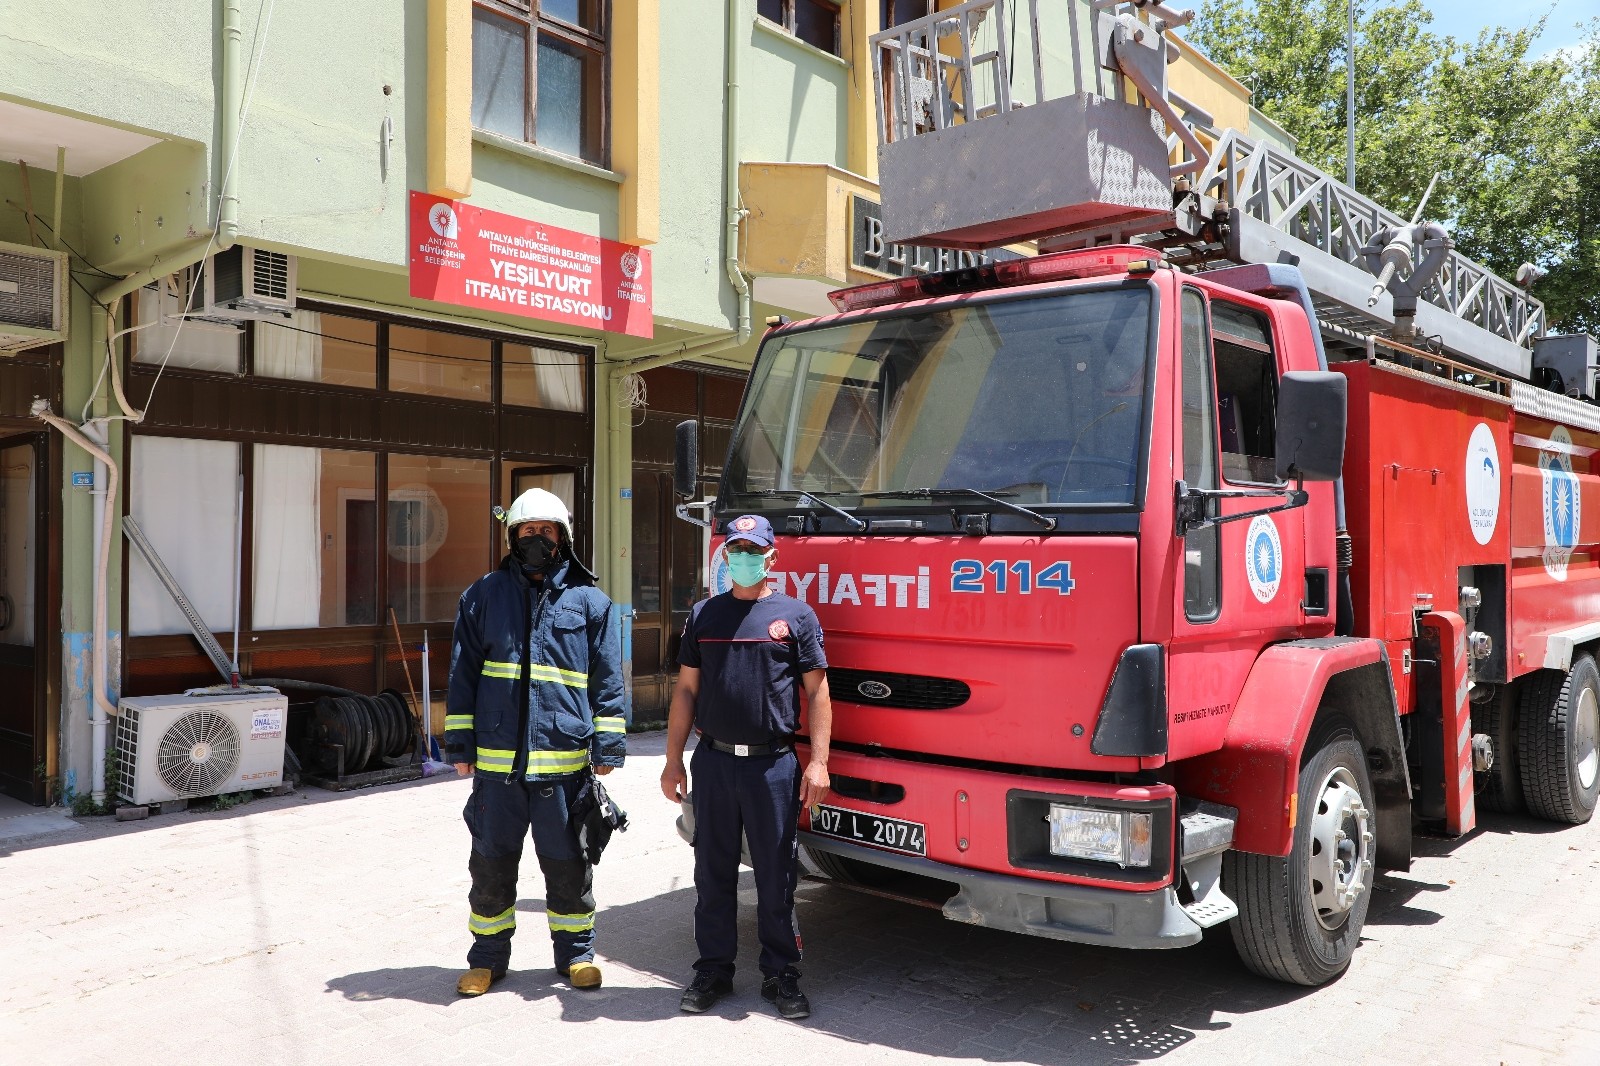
x,y
896,12
539,72
815,22
440,533
320,347
552,378
436,363
163,337
184,494
315,538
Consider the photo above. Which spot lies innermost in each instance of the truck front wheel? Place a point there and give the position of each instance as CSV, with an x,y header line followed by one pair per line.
x,y
1300,915
1559,742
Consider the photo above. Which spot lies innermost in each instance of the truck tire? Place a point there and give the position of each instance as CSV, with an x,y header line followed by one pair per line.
x,y
1300,915
1502,785
850,871
1559,742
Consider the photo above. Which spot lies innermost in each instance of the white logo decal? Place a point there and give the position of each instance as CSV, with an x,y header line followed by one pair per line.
x,y
631,265
719,580
1263,559
443,220
1563,503
1483,483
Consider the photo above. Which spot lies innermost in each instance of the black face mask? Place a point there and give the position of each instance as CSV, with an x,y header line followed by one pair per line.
x,y
535,553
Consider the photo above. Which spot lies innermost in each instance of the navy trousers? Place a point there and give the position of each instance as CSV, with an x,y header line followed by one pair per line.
x,y
758,797
500,815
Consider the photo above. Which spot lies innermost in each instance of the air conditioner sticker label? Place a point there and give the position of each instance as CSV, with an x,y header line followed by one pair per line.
x,y
1483,483
1563,504
266,724
1263,561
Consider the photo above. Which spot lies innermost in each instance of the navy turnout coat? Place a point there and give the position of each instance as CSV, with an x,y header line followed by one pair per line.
x,y
535,676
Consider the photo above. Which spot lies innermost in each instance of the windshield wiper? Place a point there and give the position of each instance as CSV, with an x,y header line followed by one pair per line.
x,y
816,498
1044,521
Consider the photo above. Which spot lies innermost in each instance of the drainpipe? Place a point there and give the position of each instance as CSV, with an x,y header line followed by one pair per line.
x,y
92,436
232,106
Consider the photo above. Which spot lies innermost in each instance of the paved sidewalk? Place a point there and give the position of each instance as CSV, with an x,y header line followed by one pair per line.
x,y
316,928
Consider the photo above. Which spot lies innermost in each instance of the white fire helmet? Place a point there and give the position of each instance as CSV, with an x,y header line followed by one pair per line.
x,y
537,505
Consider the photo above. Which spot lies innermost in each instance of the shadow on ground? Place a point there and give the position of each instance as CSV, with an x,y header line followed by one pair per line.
x,y
884,973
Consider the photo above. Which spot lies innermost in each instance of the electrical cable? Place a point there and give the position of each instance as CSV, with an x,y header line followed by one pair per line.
x,y
103,273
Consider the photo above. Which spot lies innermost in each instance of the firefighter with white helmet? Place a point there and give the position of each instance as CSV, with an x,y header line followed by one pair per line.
x,y
535,707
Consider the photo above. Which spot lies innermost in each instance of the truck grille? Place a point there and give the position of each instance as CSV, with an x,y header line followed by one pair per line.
x,y
913,691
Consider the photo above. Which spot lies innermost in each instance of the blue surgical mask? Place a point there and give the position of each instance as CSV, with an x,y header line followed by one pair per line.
x,y
746,569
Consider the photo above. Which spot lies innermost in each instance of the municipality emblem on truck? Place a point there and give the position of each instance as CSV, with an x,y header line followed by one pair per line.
x,y
1563,504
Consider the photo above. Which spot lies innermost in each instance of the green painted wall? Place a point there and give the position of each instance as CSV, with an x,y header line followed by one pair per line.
x,y
690,283
794,103
142,64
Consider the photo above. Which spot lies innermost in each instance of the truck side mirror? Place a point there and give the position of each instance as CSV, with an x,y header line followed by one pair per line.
x,y
686,460
1312,413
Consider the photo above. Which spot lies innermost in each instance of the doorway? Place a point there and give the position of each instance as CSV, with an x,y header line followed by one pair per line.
x,y
24,529
667,571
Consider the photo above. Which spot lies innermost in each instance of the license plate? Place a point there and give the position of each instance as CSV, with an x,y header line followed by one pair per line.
x,y
891,834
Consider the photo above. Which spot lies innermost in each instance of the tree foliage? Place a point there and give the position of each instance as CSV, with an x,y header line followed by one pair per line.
x,y
1514,137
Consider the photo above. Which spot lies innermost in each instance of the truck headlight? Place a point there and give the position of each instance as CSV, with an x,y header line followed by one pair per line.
x,y
1122,837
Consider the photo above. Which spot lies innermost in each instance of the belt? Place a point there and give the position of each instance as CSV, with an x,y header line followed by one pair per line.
x,y
744,750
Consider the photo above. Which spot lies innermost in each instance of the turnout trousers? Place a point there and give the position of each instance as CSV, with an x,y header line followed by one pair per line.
x,y
758,797
500,815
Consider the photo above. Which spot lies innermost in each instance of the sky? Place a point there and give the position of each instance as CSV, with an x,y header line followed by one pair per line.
x,y
1464,18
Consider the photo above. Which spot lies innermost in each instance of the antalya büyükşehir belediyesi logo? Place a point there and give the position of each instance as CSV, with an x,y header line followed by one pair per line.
x,y
443,220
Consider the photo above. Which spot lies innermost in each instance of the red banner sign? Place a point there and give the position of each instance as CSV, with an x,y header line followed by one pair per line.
x,y
476,258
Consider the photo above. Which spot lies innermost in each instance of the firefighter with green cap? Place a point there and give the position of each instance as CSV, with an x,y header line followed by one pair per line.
x,y
535,706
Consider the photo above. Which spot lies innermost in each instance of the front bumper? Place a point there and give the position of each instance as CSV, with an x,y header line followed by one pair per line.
x,y
1082,914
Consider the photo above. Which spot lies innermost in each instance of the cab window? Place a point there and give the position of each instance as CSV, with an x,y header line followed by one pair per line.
x,y
1202,576
1247,393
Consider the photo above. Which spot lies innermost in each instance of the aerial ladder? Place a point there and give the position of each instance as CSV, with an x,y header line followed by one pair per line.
x,y
1005,121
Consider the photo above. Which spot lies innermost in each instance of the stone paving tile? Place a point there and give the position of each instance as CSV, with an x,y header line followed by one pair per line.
x,y
314,928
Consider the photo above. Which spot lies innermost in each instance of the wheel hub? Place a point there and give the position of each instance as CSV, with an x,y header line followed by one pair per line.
x,y
1341,848
1587,738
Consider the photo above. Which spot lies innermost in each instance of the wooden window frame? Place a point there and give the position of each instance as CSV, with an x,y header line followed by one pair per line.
x,y
790,23
528,13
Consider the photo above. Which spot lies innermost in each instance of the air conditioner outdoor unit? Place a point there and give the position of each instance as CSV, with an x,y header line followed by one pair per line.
x,y
245,283
33,297
184,747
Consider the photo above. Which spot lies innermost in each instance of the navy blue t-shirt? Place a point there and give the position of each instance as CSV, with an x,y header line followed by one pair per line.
x,y
751,655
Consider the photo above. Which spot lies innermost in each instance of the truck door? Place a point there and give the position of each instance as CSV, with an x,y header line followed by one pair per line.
x,y
1241,582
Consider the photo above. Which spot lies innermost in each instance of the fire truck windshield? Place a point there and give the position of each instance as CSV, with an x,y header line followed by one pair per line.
x,y
1036,399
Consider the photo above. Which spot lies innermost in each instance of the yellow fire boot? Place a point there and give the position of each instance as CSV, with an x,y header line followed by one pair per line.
x,y
584,975
476,981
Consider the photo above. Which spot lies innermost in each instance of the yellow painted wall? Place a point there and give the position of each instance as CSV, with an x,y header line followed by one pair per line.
x,y
1202,82
799,221
450,98
862,18
636,117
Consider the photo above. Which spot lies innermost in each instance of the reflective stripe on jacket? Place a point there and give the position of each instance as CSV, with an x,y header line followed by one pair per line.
x,y
535,676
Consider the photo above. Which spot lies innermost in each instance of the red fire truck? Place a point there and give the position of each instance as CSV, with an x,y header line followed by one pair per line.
x,y
1179,580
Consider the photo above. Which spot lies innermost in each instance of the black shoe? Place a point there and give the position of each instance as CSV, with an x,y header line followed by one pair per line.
x,y
707,988
784,990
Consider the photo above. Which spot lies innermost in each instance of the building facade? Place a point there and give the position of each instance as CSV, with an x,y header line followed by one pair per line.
x,y
344,276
